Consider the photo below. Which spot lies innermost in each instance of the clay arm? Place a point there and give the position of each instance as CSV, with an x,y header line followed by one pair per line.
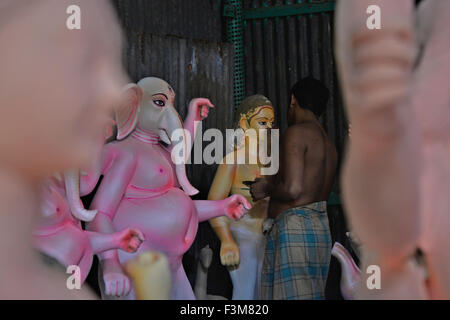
x,y
233,207
197,111
110,193
107,199
380,177
220,189
127,240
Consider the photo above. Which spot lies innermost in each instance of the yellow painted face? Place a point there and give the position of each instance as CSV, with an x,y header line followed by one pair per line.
x,y
262,118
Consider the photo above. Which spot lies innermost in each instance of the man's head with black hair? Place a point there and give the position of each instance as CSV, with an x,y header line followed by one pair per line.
x,y
309,94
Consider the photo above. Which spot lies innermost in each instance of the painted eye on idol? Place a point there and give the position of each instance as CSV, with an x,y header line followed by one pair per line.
x,y
159,103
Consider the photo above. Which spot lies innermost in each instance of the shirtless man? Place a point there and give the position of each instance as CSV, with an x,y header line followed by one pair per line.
x,y
298,246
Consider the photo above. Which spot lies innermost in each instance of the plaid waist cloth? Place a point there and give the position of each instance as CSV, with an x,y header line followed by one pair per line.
x,y
297,254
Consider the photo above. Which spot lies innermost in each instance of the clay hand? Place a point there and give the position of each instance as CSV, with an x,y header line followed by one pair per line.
x,y
236,206
130,240
259,188
116,282
229,254
200,108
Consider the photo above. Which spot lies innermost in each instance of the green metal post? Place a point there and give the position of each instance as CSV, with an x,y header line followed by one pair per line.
x,y
233,10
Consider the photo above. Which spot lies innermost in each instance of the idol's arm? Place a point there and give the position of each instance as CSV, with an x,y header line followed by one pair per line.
x,y
220,189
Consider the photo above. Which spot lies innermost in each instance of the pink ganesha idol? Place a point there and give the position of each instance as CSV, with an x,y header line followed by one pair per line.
x,y
140,186
59,234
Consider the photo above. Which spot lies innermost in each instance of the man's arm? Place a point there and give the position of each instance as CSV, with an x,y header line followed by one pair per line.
x,y
287,185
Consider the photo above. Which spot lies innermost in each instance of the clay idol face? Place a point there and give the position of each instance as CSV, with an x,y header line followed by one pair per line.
x,y
262,118
159,99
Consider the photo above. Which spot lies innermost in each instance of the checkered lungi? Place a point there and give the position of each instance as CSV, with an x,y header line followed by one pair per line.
x,y
297,254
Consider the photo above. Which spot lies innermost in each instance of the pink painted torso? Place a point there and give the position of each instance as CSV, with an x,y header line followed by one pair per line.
x,y
153,204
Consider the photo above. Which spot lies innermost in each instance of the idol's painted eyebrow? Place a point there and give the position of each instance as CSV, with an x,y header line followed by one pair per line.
x,y
157,94
258,112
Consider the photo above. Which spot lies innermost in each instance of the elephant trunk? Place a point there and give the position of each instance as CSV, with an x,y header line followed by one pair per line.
x,y
350,271
171,128
180,171
72,184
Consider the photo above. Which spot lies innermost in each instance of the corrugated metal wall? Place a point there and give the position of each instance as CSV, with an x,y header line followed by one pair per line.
x,y
192,19
279,51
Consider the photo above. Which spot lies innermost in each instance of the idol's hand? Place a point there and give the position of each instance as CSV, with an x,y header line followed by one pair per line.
x,y
236,206
199,107
229,254
130,240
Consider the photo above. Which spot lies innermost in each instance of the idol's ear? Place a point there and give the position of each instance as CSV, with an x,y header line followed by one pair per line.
x,y
128,110
243,123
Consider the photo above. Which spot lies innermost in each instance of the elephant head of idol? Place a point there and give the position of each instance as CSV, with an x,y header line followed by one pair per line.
x,y
149,106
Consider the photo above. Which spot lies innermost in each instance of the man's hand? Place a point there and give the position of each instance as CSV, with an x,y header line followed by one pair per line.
x,y
236,206
259,189
199,107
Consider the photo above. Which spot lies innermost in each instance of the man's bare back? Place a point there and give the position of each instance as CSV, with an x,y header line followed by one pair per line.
x,y
307,154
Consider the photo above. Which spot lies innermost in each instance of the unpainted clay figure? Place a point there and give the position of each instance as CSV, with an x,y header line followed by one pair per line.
x,y
201,278
242,242
397,174
140,186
